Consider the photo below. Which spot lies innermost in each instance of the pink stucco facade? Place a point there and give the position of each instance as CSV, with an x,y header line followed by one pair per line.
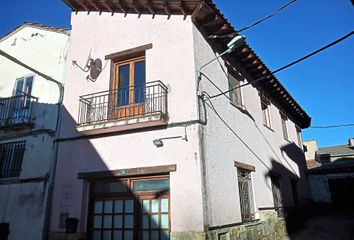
x,y
203,189
170,60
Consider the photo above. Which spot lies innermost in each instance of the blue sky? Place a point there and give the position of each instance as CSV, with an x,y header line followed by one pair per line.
x,y
323,85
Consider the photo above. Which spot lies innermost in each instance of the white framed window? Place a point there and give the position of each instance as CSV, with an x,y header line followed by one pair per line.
x,y
235,95
284,120
23,85
266,113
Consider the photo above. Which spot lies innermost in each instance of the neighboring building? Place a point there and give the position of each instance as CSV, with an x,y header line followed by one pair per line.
x,y
136,160
331,173
28,123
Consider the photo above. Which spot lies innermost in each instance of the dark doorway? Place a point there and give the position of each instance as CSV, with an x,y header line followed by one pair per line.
x,y
342,192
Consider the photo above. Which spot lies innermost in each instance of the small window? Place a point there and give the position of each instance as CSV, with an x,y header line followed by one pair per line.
x,y
285,128
109,187
266,113
235,94
11,156
151,185
246,194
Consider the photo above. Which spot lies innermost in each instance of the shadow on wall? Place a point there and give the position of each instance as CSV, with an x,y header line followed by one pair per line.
x,y
290,190
109,203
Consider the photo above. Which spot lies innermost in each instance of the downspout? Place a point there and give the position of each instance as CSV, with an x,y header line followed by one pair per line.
x,y
55,143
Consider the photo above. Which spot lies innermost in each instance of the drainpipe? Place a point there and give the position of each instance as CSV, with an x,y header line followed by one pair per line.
x,y
55,143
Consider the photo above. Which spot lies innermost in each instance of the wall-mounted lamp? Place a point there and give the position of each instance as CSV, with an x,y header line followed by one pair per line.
x,y
235,42
158,142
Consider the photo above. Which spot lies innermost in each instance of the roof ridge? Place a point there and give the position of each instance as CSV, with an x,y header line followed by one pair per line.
x,y
37,25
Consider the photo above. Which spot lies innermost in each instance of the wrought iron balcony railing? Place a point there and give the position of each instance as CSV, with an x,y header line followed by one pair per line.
x,y
123,103
16,110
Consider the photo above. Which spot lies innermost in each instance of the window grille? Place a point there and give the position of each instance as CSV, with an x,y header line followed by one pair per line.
x,y
246,195
11,155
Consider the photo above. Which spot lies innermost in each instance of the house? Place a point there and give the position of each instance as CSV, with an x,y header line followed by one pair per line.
x,y
142,152
331,173
32,56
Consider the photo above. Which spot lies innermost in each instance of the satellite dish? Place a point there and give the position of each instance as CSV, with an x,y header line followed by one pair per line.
x,y
95,69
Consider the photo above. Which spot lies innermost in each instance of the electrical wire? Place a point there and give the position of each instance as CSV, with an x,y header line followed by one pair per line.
x,y
334,126
288,65
230,35
211,106
267,17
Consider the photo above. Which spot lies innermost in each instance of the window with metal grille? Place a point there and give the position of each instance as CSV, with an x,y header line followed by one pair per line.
x,y
277,197
246,195
11,155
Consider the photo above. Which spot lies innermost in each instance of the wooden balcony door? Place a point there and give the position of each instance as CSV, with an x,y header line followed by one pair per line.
x,y
128,88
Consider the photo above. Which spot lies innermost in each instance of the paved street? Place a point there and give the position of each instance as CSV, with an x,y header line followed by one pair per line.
x,y
326,226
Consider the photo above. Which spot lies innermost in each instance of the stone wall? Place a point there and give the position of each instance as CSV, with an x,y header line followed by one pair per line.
x,y
268,227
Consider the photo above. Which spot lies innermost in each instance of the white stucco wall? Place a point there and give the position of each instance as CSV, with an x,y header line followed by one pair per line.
x,y
254,144
23,199
171,61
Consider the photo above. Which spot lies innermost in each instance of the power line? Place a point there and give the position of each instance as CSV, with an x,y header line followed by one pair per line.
x,y
230,35
288,65
334,126
211,106
267,17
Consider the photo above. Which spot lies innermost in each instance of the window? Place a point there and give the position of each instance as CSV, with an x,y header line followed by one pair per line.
x,y
21,101
246,194
277,198
128,87
299,137
132,208
23,86
283,125
11,155
235,95
265,112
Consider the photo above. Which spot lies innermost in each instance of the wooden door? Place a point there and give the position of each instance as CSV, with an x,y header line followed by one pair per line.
x,y
128,88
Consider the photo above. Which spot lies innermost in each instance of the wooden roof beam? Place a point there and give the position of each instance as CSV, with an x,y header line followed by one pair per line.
x,y
253,63
92,3
150,8
107,6
166,8
136,9
197,9
181,7
71,5
119,4
84,6
210,20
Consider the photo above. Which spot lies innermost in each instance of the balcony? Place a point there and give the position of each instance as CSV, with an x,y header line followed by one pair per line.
x,y
15,111
128,108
